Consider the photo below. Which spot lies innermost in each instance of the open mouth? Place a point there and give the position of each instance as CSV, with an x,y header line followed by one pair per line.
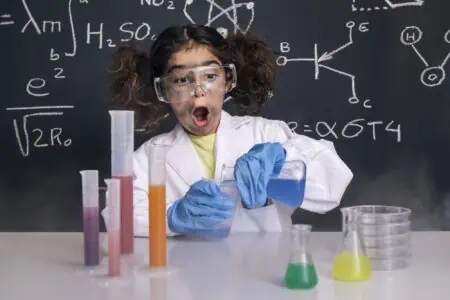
x,y
200,116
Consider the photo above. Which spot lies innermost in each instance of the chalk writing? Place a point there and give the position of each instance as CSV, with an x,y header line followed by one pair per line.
x,y
350,129
326,56
5,20
39,87
431,76
385,5
38,137
231,13
157,3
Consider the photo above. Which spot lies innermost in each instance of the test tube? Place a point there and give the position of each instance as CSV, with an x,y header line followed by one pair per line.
x,y
157,207
89,180
122,148
113,204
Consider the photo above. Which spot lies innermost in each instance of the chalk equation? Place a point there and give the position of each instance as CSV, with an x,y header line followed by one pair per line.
x,y
319,61
94,33
350,129
29,138
383,5
5,20
240,16
169,4
39,87
431,76
37,137
230,13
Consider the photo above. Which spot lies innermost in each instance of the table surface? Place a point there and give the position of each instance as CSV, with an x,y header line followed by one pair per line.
x,y
244,266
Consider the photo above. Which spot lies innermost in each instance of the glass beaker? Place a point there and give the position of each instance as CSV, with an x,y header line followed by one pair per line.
x,y
301,272
228,186
222,230
351,262
289,186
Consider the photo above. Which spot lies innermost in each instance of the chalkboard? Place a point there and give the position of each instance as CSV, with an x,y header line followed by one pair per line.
x,y
369,75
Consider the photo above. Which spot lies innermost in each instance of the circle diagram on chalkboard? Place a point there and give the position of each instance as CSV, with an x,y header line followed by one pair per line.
x,y
217,11
431,76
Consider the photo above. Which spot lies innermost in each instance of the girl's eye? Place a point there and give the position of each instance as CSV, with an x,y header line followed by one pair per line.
x,y
211,76
181,80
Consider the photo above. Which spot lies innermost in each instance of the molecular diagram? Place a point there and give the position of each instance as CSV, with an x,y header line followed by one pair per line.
x,y
319,61
432,75
230,13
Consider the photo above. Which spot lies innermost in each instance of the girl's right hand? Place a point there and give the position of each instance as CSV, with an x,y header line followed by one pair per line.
x,y
203,207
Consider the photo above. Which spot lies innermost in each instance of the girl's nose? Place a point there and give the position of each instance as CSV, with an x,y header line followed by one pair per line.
x,y
198,91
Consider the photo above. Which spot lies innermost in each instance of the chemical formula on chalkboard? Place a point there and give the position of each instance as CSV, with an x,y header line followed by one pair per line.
x,y
94,35
98,35
370,76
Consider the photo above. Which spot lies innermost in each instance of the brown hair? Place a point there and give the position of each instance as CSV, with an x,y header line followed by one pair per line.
x,y
134,70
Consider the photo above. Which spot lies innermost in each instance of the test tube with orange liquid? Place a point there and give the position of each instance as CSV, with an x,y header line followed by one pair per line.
x,y
157,264
157,207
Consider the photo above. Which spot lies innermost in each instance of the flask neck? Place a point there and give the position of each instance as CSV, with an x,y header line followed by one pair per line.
x,y
351,239
300,236
350,219
300,240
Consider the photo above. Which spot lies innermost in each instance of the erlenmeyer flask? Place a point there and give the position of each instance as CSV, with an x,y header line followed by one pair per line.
x,y
301,271
351,262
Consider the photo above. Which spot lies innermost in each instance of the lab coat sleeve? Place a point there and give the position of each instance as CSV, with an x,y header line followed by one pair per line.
x,y
327,176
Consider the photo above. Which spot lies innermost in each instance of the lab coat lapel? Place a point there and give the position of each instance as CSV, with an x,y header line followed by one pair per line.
x,y
183,158
223,146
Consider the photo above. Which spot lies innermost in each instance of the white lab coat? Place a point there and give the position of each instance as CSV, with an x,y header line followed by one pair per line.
x,y
326,181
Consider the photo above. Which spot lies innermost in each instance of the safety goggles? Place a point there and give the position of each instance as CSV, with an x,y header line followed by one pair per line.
x,y
182,85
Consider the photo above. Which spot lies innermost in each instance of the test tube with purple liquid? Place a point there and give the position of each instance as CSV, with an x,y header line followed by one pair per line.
x,y
89,179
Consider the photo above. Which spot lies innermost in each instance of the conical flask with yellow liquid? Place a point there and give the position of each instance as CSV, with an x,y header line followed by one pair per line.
x,y
351,262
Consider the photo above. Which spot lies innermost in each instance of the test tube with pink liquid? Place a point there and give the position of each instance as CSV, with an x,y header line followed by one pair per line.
x,y
113,204
122,148
89,180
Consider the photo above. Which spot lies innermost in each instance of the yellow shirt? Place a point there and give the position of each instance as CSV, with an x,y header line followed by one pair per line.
x,y
204,146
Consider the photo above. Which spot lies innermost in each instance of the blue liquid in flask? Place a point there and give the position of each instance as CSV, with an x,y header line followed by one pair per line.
x,y
287,191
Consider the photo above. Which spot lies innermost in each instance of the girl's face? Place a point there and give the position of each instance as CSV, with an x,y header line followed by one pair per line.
x,y
196,94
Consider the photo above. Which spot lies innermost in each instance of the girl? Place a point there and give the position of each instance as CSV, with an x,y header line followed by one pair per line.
x,y
189,72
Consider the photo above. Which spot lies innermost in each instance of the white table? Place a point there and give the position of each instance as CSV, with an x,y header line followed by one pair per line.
x,y
245,266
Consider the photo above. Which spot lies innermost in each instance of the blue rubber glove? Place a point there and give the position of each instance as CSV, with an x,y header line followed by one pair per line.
x,y
203,206
254,169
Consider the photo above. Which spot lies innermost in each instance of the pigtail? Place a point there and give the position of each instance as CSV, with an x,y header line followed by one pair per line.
x,y
256,68
132,88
